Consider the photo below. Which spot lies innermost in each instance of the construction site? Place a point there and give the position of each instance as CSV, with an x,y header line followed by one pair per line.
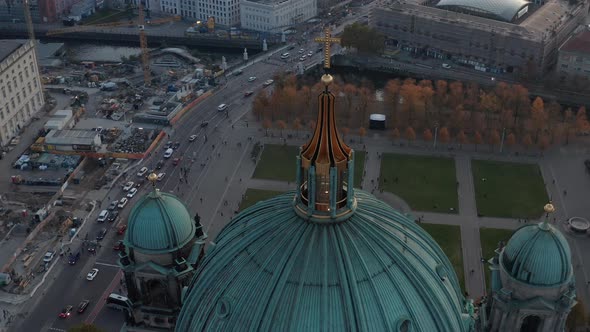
x,y
98,120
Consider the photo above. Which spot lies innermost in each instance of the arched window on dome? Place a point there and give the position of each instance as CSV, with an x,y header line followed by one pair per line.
x,y
531,323
404,325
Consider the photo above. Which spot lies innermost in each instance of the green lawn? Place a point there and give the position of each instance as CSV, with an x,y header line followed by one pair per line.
x,y
448,238
278,162
359,167
253,196
508,190
425,183
489,238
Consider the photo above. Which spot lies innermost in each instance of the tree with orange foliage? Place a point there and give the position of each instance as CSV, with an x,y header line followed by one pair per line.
x,y
362,133
410,134
510,140
350,92
581,120
538,116
441,94
462,138
365,97
394,134
443,135
477,139
427,135
544,142
457,117
527,140
494,138
260,105
456,94
392,98
297,126
266,124
568,115
306,97
282,125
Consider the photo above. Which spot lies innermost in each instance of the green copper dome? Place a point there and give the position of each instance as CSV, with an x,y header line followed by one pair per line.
x,y
538,254
159,223
273,269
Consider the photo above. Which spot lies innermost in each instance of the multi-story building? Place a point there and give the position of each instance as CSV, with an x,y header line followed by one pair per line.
x,y
574,57
507,36
21,95
275,15
225,12
44,11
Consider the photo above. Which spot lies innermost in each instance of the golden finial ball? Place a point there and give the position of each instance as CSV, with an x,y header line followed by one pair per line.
x,y
153,177
327,79
549,208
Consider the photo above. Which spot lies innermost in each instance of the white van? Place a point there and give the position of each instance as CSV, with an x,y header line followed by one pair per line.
x,y
221,107
102,217
168,153
119,302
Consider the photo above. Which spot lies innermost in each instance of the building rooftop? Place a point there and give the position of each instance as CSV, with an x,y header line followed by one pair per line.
x,y
502,9
7,47
65,137
579,43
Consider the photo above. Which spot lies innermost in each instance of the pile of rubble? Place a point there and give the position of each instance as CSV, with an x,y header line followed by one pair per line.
x,y
138,142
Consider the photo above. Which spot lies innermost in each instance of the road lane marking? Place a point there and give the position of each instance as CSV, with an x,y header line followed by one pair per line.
x,y
56,329
106,264
103,298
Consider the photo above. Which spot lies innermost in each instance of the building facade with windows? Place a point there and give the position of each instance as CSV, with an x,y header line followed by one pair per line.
x,y
275,16
20,87
574,57
509,36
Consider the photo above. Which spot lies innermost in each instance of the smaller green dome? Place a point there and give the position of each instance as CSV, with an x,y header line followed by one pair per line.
x,y
538,254
159,223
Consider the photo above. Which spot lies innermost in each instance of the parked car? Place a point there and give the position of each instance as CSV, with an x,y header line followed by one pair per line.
x,y
252,78
248,93
142,172
128,186
268,82
284,55
66,312
92,274
301,51
122,202
132,193
446,66
82,306
122,229
113,216
48,257
192,138
161,176
101,234
119,246
102,216
113,205
238,72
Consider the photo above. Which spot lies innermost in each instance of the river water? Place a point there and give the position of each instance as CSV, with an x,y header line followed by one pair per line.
x,y
95,52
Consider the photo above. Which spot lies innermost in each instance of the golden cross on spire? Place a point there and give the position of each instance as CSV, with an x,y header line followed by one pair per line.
x,y
327,40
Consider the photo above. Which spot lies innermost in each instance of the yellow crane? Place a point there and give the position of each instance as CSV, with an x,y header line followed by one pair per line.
x,y
140,23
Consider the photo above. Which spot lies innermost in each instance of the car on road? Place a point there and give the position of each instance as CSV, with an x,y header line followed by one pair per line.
x,y
113,216
73,258
132,193
160,164
128,186
83,305
168,145
176,161
285,55
238,72
268,82
222,107
92,274
48,257
252,78
142,172
168,153
113,205
92,246
122,229
122,202
102,217
192,138
66,312
176,145
101,234
446,66
204,124
248,93
119,246
161,176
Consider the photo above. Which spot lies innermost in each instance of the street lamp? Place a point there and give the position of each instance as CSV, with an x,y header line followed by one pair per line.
x,y
502,142
435,135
